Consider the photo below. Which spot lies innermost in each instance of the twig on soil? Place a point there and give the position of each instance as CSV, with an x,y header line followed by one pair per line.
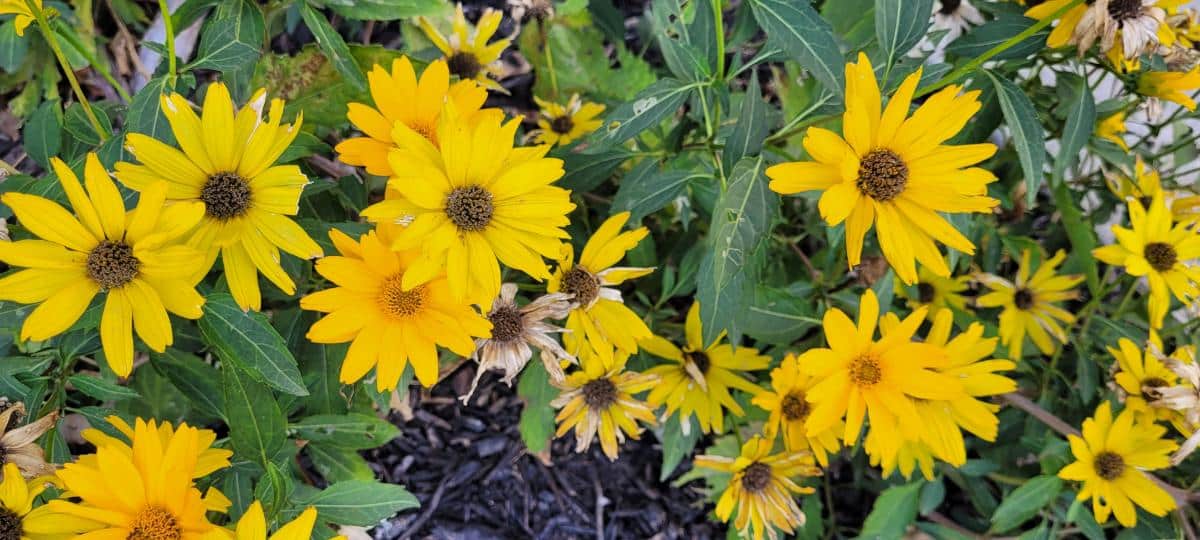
x,y
599,520
428,511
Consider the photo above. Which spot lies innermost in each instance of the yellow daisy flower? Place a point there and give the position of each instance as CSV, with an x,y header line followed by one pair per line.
x,y
20,520
1171,85
467,51
562,125
1133,27
698,379
472,201
1110,459
1141,377
762,489
131,257
24,16
146,493
1158,251
1145,183
388,324
400,97
226,163
788,406
600,315
253,525
936,292
1029,304
859,376
1112,128
894,172
597,401
209,459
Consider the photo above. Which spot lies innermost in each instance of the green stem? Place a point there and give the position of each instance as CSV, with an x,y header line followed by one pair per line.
x,y
549,61
720,26
52,41
99,67
169,25
1003,46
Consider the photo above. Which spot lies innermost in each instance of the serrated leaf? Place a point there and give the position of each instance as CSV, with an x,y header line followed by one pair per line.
x,y
247,340
1025,502
256,425
101,389
806,38
537,416
1028,137
649,107
232,37
333,46
893,511
353,431
751,128
360,503
900,24
741,221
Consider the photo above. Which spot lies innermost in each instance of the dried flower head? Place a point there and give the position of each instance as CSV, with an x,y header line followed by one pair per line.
x,y
18,445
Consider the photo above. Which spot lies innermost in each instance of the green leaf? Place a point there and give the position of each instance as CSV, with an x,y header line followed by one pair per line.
x,y
537,416
894,510
145,111
43,133
360,503
247,340
1081,234
232,37
583,172
256,425
676,445
272,490
1081,121
198,381
649,107
751,128
1027,134
333,46
984,37
780,316
354,431
807,38
681,51
900,24
338,464
741,222
13,48
1025,502
646,189
101,389
382,10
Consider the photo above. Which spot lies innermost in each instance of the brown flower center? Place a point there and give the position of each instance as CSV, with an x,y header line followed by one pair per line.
x,y
794,407
562,124
925,293
112,264
155,523
1109,465
470,208
698,359
464,64
598,394
507,324
949,6
226,195
1123,10
1150,388
396,301
1161,256
882,175
1023,298
756,477
865,371
427,131
581,284
11,527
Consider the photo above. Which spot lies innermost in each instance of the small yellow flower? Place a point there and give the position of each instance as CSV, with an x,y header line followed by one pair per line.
x,y
474,202
562,125
227,162
468,53
388,324
400,97
788,406
1171,85
600,315
146,493
859,376
133,258
1159,251
253,525
762,488
895,171
22,520
1141,377
598,401
935,291
24,16
698,378
1029,304
1145,183
1110,459
209,459
1112,128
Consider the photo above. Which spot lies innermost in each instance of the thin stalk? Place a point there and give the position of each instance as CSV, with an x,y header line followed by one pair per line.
x,y
100,68
169,25
720,27
52,40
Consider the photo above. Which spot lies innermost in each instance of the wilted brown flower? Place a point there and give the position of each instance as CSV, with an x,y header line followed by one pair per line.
x,y
18,445
1185,398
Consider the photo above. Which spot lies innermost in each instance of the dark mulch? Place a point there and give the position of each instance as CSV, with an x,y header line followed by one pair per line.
x,y
476,480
